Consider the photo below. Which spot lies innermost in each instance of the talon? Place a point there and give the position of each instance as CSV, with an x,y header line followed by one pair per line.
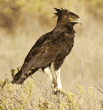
x,y
57,91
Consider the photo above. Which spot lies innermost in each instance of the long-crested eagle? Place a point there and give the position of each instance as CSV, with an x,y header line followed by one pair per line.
x,y
50,50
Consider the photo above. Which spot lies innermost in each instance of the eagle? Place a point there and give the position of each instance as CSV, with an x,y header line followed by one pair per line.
x,y
51,49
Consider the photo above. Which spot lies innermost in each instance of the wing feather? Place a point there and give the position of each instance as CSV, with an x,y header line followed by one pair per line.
x,y
49,50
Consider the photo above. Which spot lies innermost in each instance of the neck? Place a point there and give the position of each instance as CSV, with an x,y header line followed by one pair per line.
x,y
64,27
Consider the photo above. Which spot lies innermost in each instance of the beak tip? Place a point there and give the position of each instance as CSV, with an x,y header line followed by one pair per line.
x,y
79,21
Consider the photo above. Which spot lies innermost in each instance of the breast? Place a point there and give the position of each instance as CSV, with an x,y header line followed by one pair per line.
x,y
69,41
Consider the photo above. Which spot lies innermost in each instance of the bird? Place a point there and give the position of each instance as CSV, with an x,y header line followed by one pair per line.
x,y
51,49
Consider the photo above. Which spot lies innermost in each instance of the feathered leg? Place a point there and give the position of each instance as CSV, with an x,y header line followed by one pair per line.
x,y
59,85
56,67
56,77
52,75
48,72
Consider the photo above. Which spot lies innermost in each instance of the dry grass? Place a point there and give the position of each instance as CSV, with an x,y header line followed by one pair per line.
x,y
22,97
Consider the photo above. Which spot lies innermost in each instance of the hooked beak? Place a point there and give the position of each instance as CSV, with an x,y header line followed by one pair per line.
x,y
78,21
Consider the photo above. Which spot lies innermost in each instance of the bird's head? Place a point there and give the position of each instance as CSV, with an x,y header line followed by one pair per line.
x,y
66,17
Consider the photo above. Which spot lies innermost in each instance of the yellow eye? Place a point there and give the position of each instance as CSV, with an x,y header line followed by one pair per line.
x,y
70,18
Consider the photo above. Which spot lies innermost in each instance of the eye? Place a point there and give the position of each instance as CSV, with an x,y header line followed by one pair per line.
x,y
70,18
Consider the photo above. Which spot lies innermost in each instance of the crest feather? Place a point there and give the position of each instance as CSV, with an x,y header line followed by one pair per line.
x,y
60,11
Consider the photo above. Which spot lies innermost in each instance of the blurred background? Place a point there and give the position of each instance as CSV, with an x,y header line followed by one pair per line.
x,y
22,22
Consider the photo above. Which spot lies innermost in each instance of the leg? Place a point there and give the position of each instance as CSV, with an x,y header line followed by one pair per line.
x,y
56,68
59,85
54,76
48,72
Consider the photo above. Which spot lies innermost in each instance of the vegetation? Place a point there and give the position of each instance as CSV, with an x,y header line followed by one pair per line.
x,y
14,97
93,6
14,12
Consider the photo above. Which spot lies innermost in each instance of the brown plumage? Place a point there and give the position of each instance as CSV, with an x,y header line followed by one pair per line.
x,y
51,47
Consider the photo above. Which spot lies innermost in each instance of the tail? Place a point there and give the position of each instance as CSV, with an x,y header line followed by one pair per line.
x,y
20,77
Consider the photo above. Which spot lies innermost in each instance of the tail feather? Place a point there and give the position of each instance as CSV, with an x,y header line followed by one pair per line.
x,y
17,78
20,77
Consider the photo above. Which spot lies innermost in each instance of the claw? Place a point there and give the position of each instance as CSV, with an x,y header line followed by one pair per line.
x,y
58,91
